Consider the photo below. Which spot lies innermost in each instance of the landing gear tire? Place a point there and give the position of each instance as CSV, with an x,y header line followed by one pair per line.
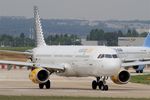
x,y
94,85
48,84
141,71
100,83
104,87
137,71
41,86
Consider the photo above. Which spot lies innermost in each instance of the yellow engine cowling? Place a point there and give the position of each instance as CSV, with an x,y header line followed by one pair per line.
x,y
122,77
39,75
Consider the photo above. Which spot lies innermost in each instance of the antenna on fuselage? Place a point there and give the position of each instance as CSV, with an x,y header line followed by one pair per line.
x,y
38,29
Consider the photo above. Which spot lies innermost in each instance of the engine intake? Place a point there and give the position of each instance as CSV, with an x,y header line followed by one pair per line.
x,y
39,75
122,77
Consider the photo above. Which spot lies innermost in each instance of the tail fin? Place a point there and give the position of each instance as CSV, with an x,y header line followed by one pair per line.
x,y
147,40
38,29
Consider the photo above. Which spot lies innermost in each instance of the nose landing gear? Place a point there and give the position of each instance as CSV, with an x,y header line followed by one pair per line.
x,y
101,83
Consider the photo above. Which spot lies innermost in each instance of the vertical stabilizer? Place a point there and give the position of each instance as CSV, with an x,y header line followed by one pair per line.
x,y
38,29
147,40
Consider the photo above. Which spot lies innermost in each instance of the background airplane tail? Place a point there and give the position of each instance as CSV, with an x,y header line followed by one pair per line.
x,y
38,29
147,40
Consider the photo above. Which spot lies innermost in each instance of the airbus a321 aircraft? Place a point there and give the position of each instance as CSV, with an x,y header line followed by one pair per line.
x,y
100,62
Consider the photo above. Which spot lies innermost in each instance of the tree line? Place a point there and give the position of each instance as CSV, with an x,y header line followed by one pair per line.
x,y
111,38
24,41
63,40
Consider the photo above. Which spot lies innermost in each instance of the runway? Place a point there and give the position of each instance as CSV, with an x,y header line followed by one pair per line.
x,y
16,82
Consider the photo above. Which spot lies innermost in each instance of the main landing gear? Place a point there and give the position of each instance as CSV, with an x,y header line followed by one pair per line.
x,y
46,84
100,83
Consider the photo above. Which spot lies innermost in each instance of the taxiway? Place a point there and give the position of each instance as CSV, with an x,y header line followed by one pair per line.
x,y
16,82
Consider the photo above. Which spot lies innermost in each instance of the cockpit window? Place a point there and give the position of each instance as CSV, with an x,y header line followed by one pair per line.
x,y
101,56
115,56
108,56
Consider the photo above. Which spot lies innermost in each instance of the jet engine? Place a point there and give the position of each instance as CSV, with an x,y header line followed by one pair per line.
x,y
122,77
39,75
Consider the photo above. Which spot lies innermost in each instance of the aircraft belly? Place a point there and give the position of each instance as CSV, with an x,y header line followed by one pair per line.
x,y
77,67
83,69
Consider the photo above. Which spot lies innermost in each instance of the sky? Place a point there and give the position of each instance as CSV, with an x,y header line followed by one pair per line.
x,y
79,9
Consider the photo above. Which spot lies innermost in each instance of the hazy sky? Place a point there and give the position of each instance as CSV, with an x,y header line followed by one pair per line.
x,y
79,9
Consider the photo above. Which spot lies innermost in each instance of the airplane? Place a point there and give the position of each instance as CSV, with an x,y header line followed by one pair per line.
x,y
100,62
135,54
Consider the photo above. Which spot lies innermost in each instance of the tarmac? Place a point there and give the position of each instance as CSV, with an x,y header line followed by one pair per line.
x,y
16,82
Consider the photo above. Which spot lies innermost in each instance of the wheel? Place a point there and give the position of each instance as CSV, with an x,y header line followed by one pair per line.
x,y
100,83
141,71
102,87
105,87
137,71
48,84
41,86
94,85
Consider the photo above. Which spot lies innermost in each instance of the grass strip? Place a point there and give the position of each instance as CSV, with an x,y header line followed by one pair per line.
x,y
142,79
63,98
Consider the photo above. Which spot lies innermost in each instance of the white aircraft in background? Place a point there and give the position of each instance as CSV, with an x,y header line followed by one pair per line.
x,y
74,61
135,54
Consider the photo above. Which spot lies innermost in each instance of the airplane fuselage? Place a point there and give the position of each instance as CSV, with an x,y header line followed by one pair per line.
x,y
79,61
133,53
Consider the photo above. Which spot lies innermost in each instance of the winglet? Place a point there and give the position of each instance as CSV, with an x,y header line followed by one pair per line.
x,y
38,29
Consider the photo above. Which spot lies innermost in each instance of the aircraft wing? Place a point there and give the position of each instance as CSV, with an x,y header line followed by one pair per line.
x,y
14,55
20,59
16,52
51,67
134,63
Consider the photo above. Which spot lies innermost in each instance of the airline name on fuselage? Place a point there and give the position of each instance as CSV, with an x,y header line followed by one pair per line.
x,y
85,50
118,49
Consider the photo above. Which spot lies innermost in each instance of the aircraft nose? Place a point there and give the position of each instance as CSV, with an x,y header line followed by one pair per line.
x,y
113,65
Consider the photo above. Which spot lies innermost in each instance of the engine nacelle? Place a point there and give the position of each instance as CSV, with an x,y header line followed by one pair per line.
x,y
122,77
39,75
135,67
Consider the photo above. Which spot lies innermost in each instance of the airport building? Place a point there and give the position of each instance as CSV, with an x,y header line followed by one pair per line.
x,y
122,41
130,41
93,43
89,43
